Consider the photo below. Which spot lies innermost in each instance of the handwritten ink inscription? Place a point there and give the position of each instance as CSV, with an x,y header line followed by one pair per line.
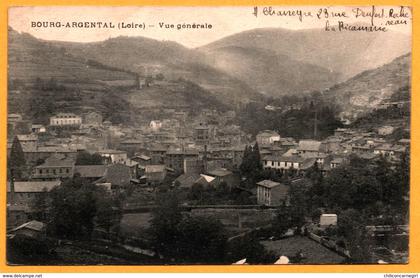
x,y
367,19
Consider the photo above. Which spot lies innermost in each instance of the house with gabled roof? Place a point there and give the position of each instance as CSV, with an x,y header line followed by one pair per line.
x,y
155,174
222,175
90,172
27,192
267,137
54,167
187,180
271,193
309,148
116,177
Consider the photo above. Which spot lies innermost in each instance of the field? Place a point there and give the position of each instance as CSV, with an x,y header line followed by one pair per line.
x,y
313,252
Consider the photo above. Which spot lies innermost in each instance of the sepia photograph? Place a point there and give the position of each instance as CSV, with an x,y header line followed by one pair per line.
x,y
225,135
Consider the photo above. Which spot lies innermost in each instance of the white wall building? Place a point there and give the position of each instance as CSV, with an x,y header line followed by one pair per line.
x,y
155,125
65,119
267,137
282,162
328,219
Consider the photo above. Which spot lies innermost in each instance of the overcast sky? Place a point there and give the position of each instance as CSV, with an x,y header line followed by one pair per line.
x,y
225,21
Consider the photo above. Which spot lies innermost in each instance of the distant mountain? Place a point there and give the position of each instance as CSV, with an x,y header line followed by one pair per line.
x,y
369,89
30,58
342,53
148,57
238,68
268,72
49,77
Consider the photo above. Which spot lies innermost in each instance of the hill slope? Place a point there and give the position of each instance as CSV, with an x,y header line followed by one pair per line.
x,y
149,57
269,72
30,58
370,88
45,78
344,53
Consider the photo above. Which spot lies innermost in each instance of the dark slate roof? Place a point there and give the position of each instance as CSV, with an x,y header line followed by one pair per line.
x,y
33,186
55,161
187,180
307,163
116,174
309,145
90,171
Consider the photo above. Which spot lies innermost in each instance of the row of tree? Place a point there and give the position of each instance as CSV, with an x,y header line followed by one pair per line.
x,y
183,238
77,207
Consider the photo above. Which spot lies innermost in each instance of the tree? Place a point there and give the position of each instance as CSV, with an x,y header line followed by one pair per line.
x,y
166,216
300,204
251,166
349,221
351,226
360,247
108,209
245,166
222,190
314,174
73,210
316,214
283,220
403,172
77,206
400,184
256,158
185,239
352,186
85,158
17,161
271,174
41,205
197,191
250,248
243,198
201,239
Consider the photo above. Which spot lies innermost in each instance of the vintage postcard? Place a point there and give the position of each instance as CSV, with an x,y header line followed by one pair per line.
x,y
224,135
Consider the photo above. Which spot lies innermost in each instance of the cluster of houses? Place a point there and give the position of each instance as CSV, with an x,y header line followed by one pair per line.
x,y
181,150
286,154
146,155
